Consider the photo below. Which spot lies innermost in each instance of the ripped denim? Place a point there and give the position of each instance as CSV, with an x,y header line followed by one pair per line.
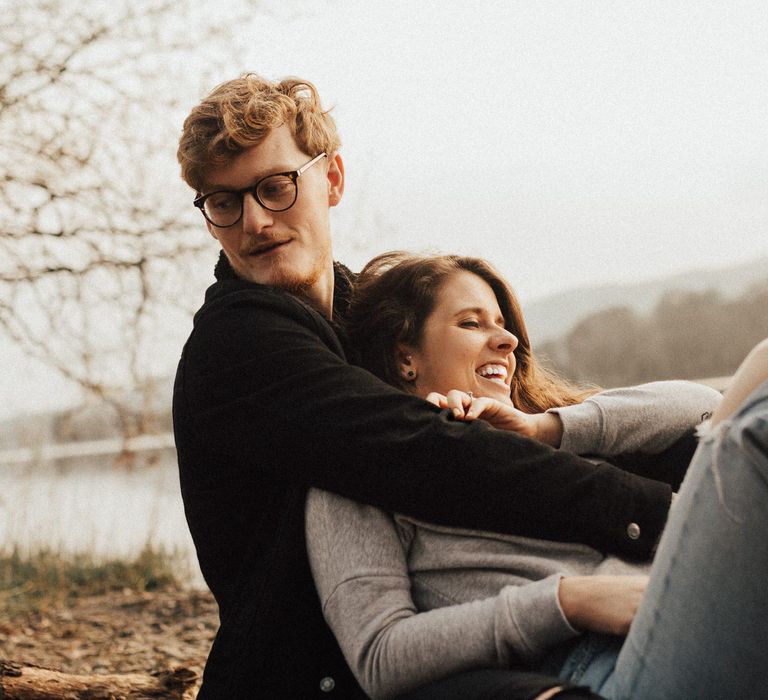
x,y
702,629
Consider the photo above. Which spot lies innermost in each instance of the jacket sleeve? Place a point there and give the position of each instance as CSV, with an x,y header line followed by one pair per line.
x,y
360,571
646,418
266,387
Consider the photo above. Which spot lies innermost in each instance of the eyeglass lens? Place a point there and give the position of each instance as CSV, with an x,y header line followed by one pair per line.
x,y
276,193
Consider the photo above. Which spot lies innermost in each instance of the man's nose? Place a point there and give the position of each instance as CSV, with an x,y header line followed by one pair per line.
x,y
255,217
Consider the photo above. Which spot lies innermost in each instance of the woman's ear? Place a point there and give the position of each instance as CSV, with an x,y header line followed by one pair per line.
x,y
406,363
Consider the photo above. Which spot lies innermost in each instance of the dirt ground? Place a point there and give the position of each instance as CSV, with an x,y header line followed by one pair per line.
x,y
116,633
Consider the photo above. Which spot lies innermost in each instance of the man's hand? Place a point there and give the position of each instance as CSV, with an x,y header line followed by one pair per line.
x,y
606,604
544,427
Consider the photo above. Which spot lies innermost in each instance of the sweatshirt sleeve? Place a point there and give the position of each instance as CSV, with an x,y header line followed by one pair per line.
x,y
645,418
360,571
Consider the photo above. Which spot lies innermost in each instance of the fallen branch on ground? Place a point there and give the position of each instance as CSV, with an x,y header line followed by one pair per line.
x,y
23,681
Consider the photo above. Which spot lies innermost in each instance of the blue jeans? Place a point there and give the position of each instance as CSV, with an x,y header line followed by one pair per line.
x,y
702,628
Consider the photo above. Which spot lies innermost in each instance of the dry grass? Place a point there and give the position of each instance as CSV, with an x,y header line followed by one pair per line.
x,y
43,579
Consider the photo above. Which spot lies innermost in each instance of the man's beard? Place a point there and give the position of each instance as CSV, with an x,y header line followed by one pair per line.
x,y
301,284
293,282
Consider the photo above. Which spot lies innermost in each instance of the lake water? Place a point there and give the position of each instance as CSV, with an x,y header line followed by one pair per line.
x,y
97,506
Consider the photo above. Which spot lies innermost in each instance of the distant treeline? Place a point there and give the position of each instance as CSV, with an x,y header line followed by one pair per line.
x,y
688,335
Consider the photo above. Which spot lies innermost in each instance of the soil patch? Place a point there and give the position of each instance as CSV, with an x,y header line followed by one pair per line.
x,y
116,633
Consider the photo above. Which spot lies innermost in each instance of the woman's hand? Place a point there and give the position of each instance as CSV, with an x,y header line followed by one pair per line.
x,y
544,427
605,604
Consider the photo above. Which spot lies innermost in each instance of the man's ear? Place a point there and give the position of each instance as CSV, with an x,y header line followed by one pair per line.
x,y
335,179
405,363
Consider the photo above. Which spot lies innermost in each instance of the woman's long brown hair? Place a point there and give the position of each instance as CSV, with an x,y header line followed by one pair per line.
x,y
396,292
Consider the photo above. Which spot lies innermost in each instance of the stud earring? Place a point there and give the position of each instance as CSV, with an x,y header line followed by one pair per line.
x,y
411,374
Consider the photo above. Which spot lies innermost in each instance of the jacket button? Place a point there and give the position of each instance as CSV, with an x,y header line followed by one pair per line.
x,y
327,684
633,531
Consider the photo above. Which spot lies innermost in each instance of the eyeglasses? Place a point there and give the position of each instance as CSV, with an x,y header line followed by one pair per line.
x,y
277,192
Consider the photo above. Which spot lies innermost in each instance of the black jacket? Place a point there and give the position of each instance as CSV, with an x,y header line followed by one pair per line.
x,y
266,405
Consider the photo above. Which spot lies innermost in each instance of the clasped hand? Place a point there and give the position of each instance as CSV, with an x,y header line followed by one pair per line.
x,y
544,427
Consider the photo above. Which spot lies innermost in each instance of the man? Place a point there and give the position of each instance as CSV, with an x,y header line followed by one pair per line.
x,y
266,405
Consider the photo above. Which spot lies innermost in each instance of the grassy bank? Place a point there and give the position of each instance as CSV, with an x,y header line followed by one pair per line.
x,y
39,580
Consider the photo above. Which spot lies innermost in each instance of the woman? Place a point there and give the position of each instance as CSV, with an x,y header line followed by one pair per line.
x,y
412,602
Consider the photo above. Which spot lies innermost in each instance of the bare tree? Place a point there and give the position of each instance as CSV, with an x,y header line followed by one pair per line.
x,y
95,251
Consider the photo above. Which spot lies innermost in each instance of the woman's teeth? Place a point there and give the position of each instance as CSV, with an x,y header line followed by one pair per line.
x,y
493,372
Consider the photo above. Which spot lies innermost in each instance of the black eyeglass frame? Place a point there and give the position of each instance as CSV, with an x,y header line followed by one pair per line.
x,y
199,202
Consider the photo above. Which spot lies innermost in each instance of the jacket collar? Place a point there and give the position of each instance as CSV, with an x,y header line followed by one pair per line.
x,y
343,280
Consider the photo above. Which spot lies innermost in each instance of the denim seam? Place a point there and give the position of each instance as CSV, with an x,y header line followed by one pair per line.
x,y
641,664
587,654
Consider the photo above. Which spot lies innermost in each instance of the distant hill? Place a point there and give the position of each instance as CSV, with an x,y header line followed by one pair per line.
x,y
553,316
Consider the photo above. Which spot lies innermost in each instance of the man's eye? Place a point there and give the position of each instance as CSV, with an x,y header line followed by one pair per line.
x,y
222,201
276,188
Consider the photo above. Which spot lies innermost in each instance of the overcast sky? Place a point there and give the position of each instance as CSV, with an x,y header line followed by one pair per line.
x,y
570,142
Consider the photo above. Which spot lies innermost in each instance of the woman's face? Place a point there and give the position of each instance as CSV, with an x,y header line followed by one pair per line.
x,y
464,344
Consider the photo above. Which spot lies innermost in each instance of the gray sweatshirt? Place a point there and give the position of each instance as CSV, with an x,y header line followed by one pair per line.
x,y
411,602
